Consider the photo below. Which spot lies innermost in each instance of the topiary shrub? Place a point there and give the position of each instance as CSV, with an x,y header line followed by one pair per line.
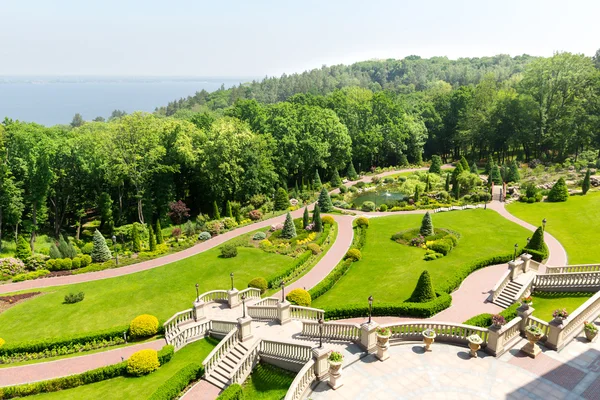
x,y
289,229
259,236
87,248
559,191
259,283
383,208
436,164
423,292
143,362
76,263
585,185
325,201
300,297
228,251
314,248
101,252
353,254
362,222
368,206
328,219
73,298
85,260
144,325
204,236
23,251
426,225
317,221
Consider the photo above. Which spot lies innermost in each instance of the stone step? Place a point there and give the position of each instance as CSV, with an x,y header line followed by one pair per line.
x,y
218,383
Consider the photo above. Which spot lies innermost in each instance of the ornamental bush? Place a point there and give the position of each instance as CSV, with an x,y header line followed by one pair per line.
x,y
85,260
259,283
136,244
229,223
175,384
282,200
585,185
159,236
383,208
255,215
436,164
73,298
233,392
335,178
423,292
314,248
299,297
101,252
143,362
289,228
317,181
144,325
204,236
351,172
559,191
368,206
325,201
23,251
228,250
151,239
426,225
362,222
11,266
317,222
259,236
353,254
214,227
328,220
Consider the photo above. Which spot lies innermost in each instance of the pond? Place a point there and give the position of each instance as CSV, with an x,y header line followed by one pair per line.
x,y
379,197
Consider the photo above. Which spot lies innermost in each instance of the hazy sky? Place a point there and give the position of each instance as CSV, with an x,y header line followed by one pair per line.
x,y
260,37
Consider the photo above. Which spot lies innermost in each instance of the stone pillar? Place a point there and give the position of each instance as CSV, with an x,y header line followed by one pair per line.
x,y
283,312
514,267
368,336
321,363
524,312
245,328
526,261
199,311
494,345
554,339
233,298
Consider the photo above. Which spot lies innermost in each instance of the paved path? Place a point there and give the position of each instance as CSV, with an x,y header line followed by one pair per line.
x,y
69,366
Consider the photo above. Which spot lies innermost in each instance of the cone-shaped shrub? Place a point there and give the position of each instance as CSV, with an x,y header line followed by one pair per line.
x,y
317,181
136,244
457,171
23,250
325,201
426,225
585,186
537,241
488,166
282,201
447,185
318,227
289,229
100,252
436,165
335,178
424,292
513,172
228,212
464,163
159,236
495,175
456,190
151,238
351,173
559,191
403,160
417,193
427,184
474,169
305,218
216,214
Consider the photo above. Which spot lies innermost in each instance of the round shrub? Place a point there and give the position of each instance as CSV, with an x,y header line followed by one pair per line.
x,y
87,248
327,220
144,325
229,223
383,208
259,236
259,283
85,260
314,248
343,189
368,206
214,227
228,251
204,236
255,215
143,362
299,297
76,263
362,222
353,254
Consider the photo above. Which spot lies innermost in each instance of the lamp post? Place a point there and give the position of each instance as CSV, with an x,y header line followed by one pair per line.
x,y
528,240
321,333
197,293
370,308
282,284
231,275
244,304
544,224
114,240
515,256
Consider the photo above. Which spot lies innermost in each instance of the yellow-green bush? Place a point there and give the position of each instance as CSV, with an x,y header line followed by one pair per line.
x,y
353,254
143,362
362,222
299,297
143,326
259,283
328,219
314,248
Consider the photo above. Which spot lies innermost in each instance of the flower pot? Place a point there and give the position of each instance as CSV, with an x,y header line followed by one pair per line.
x,y
590,335
334,367
428,340
558,320
532,337
531,348
382,340
382,347
526,306
335,374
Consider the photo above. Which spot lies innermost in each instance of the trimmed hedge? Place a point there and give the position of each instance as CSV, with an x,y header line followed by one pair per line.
x,y
144,325
175,384
143,362
299,297
30,275
461,273
233,392
485,320
165,354
259,283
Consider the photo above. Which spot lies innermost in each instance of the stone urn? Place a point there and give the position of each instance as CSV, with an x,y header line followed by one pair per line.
x,y
558,320
335,371
428,338
475,342
533,334
525,306
383,338
591,332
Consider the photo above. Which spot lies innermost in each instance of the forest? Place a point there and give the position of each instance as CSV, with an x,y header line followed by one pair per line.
x,y
233,144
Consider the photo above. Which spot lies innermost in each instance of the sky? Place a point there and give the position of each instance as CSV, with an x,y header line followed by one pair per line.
x,y
221,38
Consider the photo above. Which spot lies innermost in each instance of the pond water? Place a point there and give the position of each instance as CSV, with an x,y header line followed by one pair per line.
x,y
379,197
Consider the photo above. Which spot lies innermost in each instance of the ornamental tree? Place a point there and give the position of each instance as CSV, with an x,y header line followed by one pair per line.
x,y
178,212
136,244
23,250
159,236
559,191
585,186
228,212
289,229
426,225
305,218
151,238
335,178
495,175
100,251
216,213
317,180
457,171
474,169
464,163
436,164
318,224
351,172
282,200
447,184
513,172
325,201
423,292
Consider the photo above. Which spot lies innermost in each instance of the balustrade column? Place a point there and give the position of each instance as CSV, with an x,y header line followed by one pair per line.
x,y
233,298
495,343
368,336
554,339
524,313
284,312
245,328
514,268
526,261
321,364
199,310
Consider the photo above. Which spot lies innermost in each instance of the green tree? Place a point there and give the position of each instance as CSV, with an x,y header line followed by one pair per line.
x,y
495,175
318,224
77,121
457,171
305,218
474,169
216,214
456,190
289,229
423,292
335,178
427,184
11,199
436,164
559,191
151,238
488,166
23,251
325,201
447,184
136,244
585,185
351,172
537,244
105,204
417,194
228,212
513,172
65,248
426,225
282,200
100,251
159,236
317,181
464,163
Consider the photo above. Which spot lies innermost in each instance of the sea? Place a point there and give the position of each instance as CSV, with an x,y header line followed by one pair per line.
x,y
51,100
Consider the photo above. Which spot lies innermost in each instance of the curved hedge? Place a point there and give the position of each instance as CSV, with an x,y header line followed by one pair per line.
x,y
175,384
485,320
233,392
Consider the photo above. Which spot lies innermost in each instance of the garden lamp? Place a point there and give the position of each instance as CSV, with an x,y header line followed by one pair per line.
x,y
197,293
370,308
528,240
114,239
231,275
321,333
282,284
515,256
544,224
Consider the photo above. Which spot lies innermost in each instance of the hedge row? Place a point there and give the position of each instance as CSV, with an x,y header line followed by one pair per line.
x,y
175,384
165,354
485,320
539,256
421,310
233,392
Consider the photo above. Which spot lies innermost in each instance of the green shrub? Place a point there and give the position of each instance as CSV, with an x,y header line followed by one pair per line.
x,y
143,362
85,260
297,264
233,392
165,354
440,246
325,201
144,325
318,223
30,275
362,222
343,189
73,298
383,208
559,191
368,206
259,283
585,185
282,200
229,223
423,292
204,236
353,254
426,225
87,248
299,297
289,228
175,384
485,320
66,248
228,250
328,219
259,236
23,251
314,248
101,252
76,263
536,246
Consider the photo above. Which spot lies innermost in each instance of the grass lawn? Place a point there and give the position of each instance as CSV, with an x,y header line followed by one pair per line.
x,y
268,382
389,271
136,388
544,303
115,302
570,222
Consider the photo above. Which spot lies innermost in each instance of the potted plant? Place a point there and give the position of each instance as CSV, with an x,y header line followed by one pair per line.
x,y
498,320
428,337
590,329
475,342
336,360
526,301
560,315
534,334
383,337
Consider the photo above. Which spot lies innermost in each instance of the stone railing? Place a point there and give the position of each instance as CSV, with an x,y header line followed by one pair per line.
x,y
511,330
245,366
251,293
543,325
306,313
177,319
501,339
220,351
571,281
303,380
267,301
265,313
222,326
573,325
287,351
526,289
214,295
452,208
573,268
189,334
501,285
335,331
446,332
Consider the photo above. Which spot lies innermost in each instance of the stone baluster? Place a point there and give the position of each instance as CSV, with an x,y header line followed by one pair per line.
x,y
283,312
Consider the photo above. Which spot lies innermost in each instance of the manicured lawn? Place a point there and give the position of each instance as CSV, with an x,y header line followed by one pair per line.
x,y
544,304
115,302
268,383
389,271
136,388
571,222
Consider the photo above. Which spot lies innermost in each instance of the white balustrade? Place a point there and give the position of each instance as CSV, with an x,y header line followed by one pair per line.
x,y
573,268
171,326
214,295
543,325
220,351
446,332
189,334
306,313
285,350
223,326
268,301
570,280
335,331
526,289
303,380
251,293
510,330
246,364
588,311
501,285
265,313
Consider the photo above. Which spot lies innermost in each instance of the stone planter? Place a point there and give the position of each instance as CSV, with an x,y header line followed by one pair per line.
x,y
382,347
475,342
531,348
335,374
428,340
590,335
382,340
525,306
558,320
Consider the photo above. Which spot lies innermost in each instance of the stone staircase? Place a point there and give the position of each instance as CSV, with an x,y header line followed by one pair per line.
x,y
230,362
507,296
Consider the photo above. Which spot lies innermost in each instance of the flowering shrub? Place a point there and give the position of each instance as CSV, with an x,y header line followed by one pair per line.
x,y
265,244
255,215
527,300
309,227
11,266
560,313
308,239
417,241
498,320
